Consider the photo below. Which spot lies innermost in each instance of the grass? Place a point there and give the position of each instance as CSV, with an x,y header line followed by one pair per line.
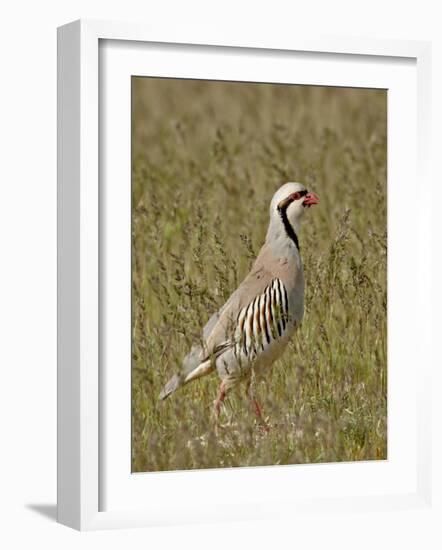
x,y
206,160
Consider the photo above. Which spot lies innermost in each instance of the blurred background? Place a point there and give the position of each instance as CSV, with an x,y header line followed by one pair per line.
x,y
206,160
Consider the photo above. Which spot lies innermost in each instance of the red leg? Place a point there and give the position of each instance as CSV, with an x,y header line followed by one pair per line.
x,y
256,408
219,400
222,392
258,411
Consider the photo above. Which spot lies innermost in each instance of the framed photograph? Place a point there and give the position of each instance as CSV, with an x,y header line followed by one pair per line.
x,y
235,283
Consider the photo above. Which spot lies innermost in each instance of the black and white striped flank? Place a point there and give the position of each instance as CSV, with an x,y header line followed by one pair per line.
x,y
263,321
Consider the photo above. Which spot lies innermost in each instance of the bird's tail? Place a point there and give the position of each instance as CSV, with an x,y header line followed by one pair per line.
x,y
179,380
172,385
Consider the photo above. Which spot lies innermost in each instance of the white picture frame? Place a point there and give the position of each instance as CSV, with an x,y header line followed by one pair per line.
x,y
81,442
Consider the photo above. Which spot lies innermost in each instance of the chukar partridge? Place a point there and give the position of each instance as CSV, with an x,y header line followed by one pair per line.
x,y
252,329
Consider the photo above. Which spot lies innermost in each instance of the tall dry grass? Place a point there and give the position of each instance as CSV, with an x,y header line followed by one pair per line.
x,y
206,160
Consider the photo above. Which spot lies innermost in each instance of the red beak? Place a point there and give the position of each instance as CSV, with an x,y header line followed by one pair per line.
x,y
311,198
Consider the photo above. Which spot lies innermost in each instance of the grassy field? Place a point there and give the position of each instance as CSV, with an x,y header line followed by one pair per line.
x,y
206,160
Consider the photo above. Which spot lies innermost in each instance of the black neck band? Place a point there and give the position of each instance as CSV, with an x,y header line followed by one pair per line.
x,y
288,227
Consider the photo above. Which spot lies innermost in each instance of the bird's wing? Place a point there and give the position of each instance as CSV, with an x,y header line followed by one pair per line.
x,y
215,333
218,332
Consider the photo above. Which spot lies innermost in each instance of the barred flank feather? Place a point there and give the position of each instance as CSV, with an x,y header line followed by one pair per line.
x,y
263,320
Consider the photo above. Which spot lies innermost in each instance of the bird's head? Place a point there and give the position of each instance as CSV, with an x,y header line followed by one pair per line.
x,y
287,208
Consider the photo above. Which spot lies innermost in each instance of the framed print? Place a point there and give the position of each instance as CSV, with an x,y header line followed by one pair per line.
x,y
234,277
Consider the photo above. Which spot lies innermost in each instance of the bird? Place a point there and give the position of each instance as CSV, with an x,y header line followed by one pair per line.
x,y
249,333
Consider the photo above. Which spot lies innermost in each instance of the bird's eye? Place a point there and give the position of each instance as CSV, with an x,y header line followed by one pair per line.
x,y
296,196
